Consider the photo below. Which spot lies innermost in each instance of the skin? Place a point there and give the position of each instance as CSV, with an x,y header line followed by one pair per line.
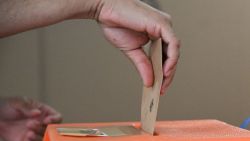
x,y
127,24
24,119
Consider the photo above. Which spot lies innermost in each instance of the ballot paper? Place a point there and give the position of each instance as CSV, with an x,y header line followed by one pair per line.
x,y
99,131
149,107
151,95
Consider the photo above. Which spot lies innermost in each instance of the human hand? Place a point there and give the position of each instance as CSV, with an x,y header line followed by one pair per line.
x,y
23,119
130,24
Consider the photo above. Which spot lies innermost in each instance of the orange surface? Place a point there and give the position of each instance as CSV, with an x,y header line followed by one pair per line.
x,y
191,130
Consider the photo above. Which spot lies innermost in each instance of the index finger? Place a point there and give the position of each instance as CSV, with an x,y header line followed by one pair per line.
x,y
50,115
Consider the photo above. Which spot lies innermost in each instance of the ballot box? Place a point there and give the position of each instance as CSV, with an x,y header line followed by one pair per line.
x,y
187,130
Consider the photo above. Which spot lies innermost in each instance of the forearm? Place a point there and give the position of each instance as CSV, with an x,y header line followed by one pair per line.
x,y
21,15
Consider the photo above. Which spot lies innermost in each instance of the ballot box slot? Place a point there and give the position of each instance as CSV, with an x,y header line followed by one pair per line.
x,y
155,134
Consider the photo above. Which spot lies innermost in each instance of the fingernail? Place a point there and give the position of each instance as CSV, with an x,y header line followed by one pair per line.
x,y
35,112
163,91
47,120
33,123
31,135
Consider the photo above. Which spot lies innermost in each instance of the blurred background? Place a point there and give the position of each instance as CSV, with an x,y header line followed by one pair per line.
x,y
71,67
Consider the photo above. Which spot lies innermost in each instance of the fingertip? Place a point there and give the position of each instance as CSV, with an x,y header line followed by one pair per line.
x,y
32,124
168,78
162,92
52,119
164,86
35,113
47,121
143,65
169,66
59,119
148,82
30,136
146,72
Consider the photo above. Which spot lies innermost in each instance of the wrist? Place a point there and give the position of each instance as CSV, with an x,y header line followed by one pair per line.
x,y
87,9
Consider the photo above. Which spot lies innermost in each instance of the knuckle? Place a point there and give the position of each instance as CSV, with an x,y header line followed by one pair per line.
x,y
176,42
167,18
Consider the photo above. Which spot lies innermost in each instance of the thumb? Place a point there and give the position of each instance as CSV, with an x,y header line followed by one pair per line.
x,y
142,64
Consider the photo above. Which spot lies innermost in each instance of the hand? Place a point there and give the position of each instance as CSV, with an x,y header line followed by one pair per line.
x,y
24,119
130,24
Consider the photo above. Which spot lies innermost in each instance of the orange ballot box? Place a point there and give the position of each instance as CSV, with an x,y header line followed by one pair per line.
x,y
190,130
